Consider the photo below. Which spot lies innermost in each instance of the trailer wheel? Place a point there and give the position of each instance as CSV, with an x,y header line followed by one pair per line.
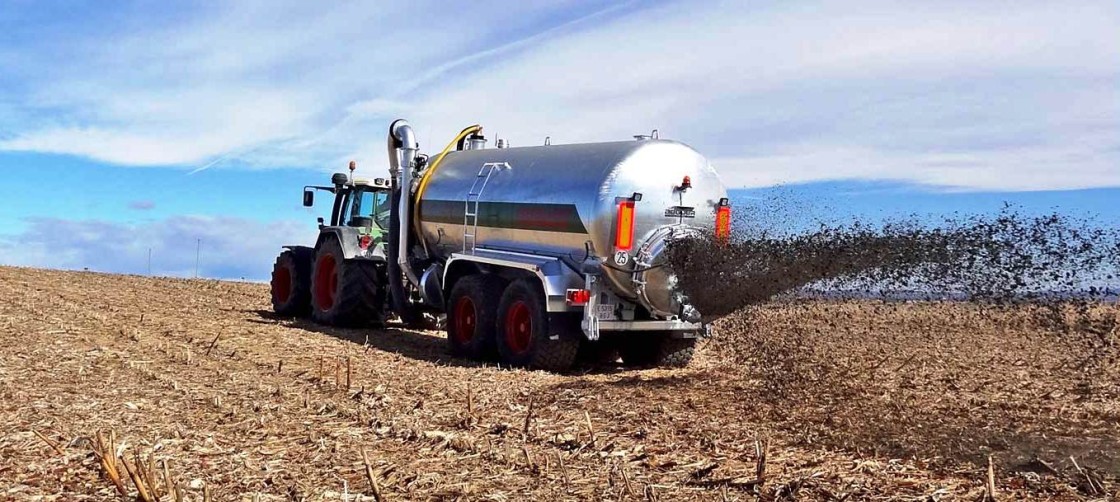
x,y
344,292
524,337
291,284
472,316
657,349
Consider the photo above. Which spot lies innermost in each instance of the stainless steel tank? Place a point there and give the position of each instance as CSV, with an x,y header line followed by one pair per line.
x,y
562,200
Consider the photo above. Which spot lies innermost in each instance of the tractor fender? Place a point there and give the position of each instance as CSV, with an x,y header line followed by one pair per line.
x,y
347,238
303,253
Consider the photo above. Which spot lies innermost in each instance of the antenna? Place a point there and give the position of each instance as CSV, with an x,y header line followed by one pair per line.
x,y
353,166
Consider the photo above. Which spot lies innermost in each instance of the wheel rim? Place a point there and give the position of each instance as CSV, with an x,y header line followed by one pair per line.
x,y
326,280
281,285
519,327
465,320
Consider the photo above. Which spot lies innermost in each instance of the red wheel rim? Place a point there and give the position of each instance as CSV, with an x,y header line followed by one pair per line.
x,y
326,280
281,285
519,327
465,320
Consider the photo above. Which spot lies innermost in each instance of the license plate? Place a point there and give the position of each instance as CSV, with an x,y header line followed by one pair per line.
x,y
680,212
604,312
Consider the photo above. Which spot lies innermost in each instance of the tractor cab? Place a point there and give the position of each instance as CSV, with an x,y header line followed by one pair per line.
x,y
360,204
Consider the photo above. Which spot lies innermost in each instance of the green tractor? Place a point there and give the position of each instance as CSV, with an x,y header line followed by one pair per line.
x,y
341,280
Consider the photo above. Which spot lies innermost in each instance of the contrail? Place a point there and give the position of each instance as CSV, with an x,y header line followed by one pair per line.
x,y
211,164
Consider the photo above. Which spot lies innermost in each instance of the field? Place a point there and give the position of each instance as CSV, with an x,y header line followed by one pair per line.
x,y
195,390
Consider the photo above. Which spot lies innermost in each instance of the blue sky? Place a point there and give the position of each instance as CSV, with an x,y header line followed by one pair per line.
x,y
142,125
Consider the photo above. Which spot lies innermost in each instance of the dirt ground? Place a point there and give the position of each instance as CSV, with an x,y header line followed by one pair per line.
x,y
209,396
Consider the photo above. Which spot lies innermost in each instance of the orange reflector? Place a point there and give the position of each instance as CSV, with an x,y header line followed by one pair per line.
x,y
624,230
723,223
578,296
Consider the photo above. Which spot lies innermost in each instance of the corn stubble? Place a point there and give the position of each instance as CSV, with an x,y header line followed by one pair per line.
x,y
117,387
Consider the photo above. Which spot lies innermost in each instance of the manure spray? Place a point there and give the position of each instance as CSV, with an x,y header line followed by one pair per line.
x,y
1008,257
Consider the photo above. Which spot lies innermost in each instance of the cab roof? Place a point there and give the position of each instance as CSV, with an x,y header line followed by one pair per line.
x,y
376,182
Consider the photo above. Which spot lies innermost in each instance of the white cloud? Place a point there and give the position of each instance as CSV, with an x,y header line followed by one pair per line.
x,y
248,82
230,247
971,95
1013,169
831,91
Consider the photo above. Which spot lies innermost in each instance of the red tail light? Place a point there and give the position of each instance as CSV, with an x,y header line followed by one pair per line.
x,y
624,228
578,296
723,223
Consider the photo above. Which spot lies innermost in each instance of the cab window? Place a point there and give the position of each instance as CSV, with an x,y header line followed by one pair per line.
x,y
373,204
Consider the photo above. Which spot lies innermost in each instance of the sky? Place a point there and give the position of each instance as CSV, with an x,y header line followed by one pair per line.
x,y
189,128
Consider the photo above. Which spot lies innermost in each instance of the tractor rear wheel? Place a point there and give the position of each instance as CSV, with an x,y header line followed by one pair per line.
x,y
291,284
344,292
472,316
657,349
524,337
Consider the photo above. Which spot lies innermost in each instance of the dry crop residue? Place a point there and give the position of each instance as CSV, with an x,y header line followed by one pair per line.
x,y
906,401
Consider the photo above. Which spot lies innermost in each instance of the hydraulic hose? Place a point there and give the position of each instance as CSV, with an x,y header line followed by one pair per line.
x,y
427,176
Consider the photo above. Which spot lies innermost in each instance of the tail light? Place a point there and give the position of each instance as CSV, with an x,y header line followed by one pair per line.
x,y
723,222
624,228
577,296
365,241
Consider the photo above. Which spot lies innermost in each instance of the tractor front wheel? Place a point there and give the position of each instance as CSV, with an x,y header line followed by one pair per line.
x,y
291,283
344,292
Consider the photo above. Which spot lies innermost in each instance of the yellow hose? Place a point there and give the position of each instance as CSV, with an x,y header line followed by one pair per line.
x,y
427,176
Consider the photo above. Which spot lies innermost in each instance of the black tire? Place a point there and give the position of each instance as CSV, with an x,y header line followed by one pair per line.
x,y
472,315
657,349
345,292
291,284
523,332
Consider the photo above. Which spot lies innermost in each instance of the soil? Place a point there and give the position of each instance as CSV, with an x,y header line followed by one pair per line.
x,y
204,394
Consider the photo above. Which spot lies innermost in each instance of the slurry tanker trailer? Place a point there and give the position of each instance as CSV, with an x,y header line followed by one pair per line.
x,y
528,252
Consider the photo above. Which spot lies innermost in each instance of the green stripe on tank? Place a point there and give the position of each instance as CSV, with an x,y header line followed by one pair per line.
x,y
514,215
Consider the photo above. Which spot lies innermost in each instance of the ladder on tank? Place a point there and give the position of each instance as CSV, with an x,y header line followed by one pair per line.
x,y
470,212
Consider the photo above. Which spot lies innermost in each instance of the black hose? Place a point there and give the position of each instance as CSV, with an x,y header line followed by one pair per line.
x,y
397,293
463,141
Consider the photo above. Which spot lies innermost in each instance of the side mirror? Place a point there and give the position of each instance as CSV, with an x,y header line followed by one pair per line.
x,y
308,198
